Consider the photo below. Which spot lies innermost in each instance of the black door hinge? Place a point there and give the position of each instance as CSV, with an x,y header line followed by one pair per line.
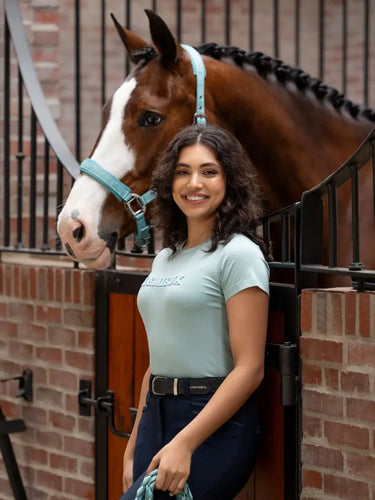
x,y
284,359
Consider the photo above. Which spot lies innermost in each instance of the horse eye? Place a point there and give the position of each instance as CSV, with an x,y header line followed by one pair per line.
x,y
149,119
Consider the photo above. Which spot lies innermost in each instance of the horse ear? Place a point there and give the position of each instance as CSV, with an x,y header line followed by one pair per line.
x,y
163,39
131,41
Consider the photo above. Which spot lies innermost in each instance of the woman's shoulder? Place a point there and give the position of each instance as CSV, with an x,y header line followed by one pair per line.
x,y
239,244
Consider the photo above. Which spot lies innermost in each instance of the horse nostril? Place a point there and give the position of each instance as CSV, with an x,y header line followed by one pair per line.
x,y
79,233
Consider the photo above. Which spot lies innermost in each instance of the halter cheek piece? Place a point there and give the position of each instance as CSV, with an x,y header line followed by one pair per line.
x,y
135,204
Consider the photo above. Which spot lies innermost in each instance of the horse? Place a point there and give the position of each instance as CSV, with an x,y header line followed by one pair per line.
x,y
295,129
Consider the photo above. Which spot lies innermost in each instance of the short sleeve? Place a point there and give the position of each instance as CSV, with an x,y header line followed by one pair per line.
x,y
243,266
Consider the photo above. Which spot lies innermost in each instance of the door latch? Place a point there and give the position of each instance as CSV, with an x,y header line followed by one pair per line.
x,y
284,359
100,404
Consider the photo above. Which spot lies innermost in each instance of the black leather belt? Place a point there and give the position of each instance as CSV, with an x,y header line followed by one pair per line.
x,y
164,386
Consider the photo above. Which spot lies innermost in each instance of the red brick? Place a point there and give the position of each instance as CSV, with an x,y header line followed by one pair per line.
x,y
364,314
306,311
58,285
88,288
48,314
49,439
311,374
8,329
45,35
81,489
31,332
321,456
63,379
361,353
350,313
59,335
347,435
34,415
312,426
61,421
78,446
86,340
25,281
16,281
78,317
46,16
20,311
355,382
3,310
332,378
35,455
87,468
77,275
344,488
312,479
321,312
79,360
51,355
21,350
326,404
33,283
321,350
49,396
51,481
361,465
63,463
335,313
362,410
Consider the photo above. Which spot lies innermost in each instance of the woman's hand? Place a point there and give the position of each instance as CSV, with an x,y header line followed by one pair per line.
x,y
173,462
127,474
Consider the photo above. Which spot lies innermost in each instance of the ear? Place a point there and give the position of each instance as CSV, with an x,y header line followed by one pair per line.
x,y
131,41
163,39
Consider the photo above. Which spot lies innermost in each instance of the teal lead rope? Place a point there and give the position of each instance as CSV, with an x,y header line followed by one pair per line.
x,y
146,490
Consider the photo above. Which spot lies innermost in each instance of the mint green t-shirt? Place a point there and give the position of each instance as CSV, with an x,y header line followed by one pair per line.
x,y
182,304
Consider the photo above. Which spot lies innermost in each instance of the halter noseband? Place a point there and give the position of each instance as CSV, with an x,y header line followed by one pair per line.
x,y
124,193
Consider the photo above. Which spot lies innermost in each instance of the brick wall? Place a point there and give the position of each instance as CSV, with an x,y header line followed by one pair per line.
x,y
338,353
47,325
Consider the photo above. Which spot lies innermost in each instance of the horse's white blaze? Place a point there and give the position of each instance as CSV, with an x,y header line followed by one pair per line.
x,y
112,153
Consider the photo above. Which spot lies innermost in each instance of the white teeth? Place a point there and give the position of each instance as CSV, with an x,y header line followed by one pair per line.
x,y
195,198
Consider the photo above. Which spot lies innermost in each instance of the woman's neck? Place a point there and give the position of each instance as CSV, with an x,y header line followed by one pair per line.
x,y
198,234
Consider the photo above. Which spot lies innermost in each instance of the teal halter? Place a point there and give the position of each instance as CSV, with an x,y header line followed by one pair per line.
x,y
124,193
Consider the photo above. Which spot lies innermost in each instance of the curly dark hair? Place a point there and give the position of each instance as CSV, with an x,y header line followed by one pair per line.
x,y
242,205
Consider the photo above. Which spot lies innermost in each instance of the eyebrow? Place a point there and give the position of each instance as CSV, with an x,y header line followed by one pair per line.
x,y
202,165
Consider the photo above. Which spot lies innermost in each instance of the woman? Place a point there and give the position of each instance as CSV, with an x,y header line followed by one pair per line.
x,y
205,308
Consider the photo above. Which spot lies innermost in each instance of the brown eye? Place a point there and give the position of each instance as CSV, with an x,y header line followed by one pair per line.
x,y
150,119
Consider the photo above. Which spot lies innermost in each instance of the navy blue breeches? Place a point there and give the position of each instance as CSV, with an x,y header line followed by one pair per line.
x,y
220,466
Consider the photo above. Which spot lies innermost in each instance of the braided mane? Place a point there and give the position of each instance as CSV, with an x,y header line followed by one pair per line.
x,y
266,65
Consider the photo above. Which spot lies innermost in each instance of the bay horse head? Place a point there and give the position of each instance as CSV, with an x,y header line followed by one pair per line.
x,y
156,100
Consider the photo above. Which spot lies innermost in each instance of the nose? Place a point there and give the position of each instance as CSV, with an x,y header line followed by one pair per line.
x,y
73,234
195,180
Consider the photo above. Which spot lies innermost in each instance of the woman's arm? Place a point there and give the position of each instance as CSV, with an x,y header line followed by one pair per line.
x,y
247,318
127,477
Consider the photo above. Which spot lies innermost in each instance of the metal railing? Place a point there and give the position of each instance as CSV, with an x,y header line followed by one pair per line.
x,y
48,156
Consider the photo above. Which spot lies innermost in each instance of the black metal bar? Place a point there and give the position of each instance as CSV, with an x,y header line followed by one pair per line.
x,y
6,214
128,26
78,78
251,25
285,238
33,88
366,55
297,23
344,45
33,154
332,224
356,264
203,21
276,28
45,245
103,92
154,5
227,22
59,197
9,459
179,20
20,157
321,39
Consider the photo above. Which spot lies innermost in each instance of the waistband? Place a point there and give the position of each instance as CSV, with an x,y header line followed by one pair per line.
x,y
164,386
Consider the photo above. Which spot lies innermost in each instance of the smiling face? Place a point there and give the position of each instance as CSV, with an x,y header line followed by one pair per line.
x,y
199,185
